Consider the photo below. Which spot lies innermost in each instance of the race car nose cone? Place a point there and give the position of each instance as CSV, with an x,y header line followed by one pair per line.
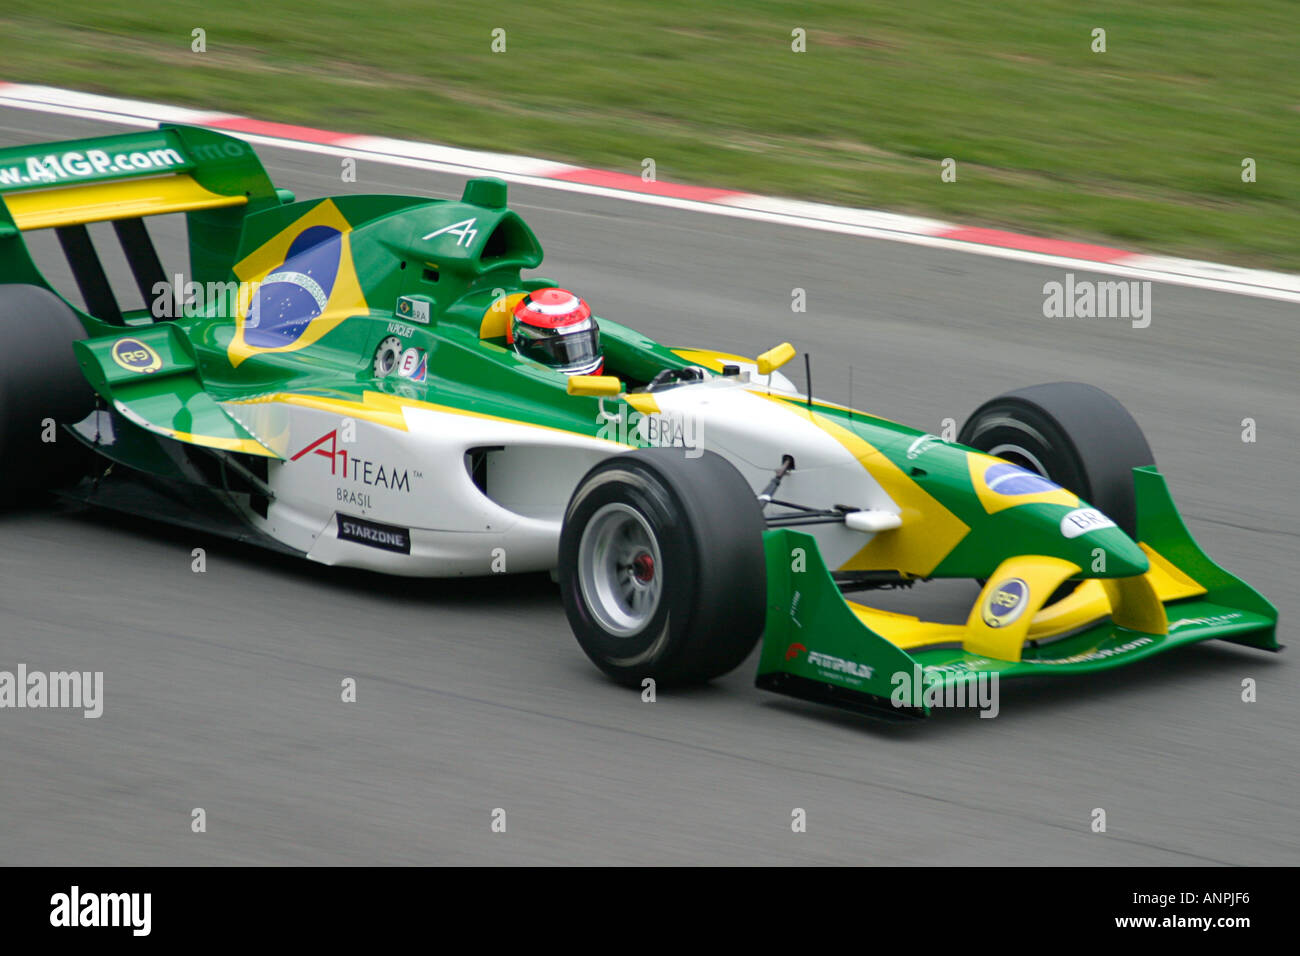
x,y
1110,553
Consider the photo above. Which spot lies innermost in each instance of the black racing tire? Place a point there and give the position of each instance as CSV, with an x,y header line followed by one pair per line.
x,y
1073,434
699,524
39,381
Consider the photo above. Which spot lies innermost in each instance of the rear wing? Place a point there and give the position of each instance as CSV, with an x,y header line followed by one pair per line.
x,y
215,179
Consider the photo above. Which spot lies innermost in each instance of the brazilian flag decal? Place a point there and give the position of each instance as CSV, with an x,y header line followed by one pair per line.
x,y
298,286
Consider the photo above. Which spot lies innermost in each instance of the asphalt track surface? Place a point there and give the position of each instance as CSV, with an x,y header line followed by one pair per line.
x,y
222,689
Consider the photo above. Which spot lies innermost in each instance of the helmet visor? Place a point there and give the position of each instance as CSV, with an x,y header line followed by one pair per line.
x,y
561,349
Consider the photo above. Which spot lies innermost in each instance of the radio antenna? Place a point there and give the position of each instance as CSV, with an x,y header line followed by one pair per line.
x,y
807,374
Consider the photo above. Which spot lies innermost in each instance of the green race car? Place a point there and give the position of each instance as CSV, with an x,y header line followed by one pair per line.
x,y
367,381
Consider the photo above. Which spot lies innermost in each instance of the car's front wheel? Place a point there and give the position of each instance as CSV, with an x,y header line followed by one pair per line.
x,y
661,566
1073,434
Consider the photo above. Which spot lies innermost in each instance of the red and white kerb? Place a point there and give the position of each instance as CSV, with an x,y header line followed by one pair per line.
x,y
557,309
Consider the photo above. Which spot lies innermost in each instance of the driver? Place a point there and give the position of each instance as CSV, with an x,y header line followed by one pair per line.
x,y
556,328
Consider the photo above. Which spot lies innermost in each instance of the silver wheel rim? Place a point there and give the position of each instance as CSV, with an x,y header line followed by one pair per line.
x,y
620,570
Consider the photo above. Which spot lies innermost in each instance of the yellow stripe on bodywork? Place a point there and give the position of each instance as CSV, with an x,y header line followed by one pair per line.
x,y
247,446
100,202
388,410
711,360
929,531
716,360
643,402
375,407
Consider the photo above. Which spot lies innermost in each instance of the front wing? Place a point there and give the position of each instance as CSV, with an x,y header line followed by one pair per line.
x,y
819,646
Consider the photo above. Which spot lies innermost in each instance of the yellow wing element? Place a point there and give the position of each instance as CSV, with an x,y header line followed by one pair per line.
x,y
100,202
1171,583
999,622
1087,604
1134,604
1092,601
905,630
1125,599
345,298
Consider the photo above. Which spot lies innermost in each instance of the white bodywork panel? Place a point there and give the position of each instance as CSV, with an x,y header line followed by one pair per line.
x,y
394,494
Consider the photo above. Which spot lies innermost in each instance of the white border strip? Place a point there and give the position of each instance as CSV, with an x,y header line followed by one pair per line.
x,y
841,220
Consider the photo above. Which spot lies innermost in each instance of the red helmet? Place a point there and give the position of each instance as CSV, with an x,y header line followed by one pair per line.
x,y
555,327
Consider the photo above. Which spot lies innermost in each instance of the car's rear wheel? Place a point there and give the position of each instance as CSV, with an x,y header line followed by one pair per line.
x,y
661,566
1073,434
41,388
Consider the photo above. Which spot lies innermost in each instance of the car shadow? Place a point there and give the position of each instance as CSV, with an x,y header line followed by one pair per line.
x,y
526,588
1030,699
1023,699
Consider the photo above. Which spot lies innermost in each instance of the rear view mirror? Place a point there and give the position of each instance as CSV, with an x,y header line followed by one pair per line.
x,y
773,359
595,385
